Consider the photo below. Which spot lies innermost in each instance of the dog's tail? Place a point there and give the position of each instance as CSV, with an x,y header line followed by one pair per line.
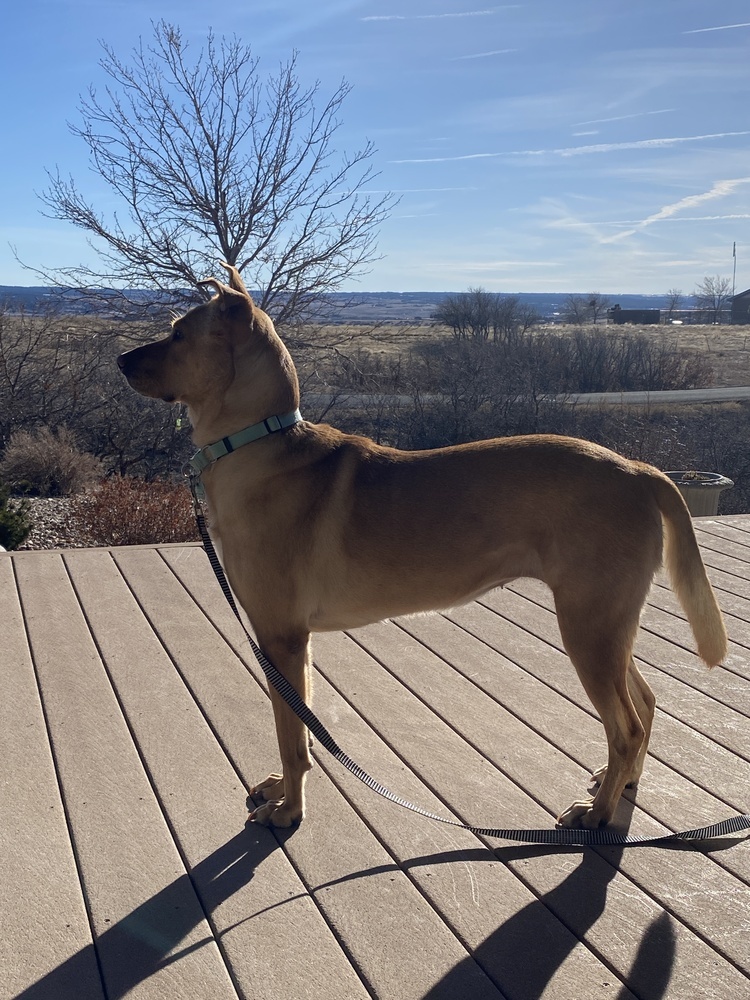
x,y
688,574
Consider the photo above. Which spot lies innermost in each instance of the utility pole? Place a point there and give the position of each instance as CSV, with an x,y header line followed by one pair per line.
x,y
734,266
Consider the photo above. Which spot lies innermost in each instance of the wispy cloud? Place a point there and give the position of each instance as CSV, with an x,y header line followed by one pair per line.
x,y
622,118
672,212
719,27
483,55
603,147
710,218
449,159
487,12
611,147
579,224
720,190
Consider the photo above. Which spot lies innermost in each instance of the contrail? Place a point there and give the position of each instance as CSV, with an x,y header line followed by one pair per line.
x,y
719,27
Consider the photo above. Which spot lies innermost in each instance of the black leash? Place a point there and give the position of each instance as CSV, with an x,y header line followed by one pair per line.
x,y
560,835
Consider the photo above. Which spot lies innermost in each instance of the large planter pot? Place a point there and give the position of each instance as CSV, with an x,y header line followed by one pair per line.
x,y
701,490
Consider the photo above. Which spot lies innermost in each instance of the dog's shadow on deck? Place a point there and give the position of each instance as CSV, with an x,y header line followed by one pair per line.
x,y
161,930
521,957
524,955
526,952
518,954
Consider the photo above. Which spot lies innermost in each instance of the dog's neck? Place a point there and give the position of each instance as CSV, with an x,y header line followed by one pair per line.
x,y
265,384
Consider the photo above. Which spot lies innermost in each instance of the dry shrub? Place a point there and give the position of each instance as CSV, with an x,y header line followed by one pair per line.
x,y
124,510
48,463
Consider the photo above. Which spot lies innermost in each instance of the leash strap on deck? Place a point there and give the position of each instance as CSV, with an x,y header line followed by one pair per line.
x,y
560,835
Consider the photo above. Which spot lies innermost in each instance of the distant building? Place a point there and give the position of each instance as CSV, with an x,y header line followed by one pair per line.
x,y
741,308
642,317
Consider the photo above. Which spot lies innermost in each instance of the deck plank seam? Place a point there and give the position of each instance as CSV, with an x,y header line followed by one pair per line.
x,y
181,674
398,754
711,563
742,543
734,622
709,528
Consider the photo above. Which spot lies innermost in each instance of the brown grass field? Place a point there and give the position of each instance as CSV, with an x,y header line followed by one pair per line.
x,y
727,348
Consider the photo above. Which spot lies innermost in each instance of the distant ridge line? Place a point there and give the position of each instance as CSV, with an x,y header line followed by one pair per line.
x,y
354,306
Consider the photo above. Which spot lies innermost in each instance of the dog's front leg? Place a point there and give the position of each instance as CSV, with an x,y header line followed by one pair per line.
x,y
285,793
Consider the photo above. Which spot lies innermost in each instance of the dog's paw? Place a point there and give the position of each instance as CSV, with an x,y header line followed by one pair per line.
x,y
580,814
272,789
276,814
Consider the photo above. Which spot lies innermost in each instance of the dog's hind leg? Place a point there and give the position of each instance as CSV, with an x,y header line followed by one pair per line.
x,y
600,648
644,701
285,793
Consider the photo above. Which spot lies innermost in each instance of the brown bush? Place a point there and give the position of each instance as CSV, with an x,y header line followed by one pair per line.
x,y
128,511
47,463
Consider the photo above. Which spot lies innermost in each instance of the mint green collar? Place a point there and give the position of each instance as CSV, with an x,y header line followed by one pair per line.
x,y
212,452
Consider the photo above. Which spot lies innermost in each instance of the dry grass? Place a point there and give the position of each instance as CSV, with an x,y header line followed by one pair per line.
x,y
726,348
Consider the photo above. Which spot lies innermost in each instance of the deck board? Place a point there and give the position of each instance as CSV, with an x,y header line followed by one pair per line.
x,y
35,837
133,718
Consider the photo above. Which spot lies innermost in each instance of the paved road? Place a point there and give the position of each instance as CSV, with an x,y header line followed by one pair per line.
x,y
722,395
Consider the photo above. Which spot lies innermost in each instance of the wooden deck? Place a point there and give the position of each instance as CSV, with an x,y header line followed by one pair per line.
x,y
132,719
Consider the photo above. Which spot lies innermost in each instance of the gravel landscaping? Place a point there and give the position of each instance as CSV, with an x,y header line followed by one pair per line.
x,y
51,527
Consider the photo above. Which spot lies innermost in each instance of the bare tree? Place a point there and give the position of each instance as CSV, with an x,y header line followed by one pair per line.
x,y
576,310
711,297
598,305
209,162
481,315
674,298
468,314
582,309
47,373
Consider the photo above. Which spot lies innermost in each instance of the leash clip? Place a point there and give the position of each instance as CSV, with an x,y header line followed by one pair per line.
x,y
197,490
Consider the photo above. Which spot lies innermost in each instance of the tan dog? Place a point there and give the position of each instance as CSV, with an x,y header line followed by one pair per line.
x,y
322,530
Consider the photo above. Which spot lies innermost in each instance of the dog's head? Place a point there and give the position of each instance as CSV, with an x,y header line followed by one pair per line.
x,y
219,354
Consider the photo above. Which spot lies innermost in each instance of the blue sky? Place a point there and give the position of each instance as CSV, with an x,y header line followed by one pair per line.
x,y
541,146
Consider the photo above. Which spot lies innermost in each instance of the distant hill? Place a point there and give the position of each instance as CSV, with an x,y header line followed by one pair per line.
x,y
418,307
353,307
